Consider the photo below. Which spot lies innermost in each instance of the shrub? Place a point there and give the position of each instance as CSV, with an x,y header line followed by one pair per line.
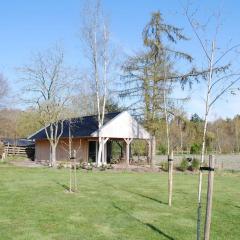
x,y
138,147
102,167
60,166
164,166
77,166
195,164
1,149
114,161
195,148
109,166
86,166
184,165
162,149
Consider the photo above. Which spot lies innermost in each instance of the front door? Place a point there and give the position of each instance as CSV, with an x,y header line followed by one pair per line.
x,y
92,147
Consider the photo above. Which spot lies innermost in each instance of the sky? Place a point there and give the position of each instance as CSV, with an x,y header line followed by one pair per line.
x,y
28,26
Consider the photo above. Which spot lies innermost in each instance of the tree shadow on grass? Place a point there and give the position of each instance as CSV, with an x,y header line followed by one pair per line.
x,y
152,227
63,186
147,197
136,193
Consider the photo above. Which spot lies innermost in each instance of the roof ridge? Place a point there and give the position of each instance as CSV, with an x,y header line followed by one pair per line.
x,y
93,115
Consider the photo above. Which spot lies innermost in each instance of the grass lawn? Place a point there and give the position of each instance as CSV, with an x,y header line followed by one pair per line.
x,y
34,205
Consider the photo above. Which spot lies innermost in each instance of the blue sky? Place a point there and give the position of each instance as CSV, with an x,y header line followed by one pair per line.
x,y
28,26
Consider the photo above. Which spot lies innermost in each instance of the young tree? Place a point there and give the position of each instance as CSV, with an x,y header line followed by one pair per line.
x,y
219,78
95,37
48,84
72,149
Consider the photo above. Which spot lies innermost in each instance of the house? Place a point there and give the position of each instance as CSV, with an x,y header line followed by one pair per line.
x,y
86,137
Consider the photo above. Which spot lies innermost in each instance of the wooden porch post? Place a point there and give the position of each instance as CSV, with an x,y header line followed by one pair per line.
x,y
103,142
96,157
99,153
127,141
103,151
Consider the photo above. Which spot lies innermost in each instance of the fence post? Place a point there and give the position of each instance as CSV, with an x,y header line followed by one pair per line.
x,y
170,180
209,197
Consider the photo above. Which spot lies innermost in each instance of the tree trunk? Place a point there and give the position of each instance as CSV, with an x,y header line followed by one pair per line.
x,y
166,120
165,112
218,142
207,108
54,160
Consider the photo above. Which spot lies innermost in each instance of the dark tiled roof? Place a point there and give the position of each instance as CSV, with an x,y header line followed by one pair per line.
x,y
18,142
80,127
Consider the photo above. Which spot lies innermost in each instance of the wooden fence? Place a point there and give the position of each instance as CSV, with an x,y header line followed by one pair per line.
x,y
19,151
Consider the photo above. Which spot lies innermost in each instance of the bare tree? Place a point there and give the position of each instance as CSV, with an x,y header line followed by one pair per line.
x,y
48,84
219,79
3,88
72,150
96,39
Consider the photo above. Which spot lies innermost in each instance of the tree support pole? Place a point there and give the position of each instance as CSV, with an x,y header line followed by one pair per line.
x,y
209,198
75,170
170,178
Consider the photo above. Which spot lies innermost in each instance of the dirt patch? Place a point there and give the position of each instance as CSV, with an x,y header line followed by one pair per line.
x,y
26,163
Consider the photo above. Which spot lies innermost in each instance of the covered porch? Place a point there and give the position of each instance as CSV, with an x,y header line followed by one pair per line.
x,y
123,128
106,155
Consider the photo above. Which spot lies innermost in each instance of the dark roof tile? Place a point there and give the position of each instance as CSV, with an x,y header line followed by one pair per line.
x,y
80,127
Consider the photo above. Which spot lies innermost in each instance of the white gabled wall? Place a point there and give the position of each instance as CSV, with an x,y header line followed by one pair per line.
x,y
123,126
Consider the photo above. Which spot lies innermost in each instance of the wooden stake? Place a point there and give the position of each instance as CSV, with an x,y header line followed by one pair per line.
x,y
75,170
70,174
170,180
209,198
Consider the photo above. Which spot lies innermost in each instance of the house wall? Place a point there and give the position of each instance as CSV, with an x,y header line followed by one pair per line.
x,y
123,126
42,150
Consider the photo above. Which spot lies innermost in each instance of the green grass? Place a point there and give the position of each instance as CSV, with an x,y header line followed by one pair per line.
x,y
34,205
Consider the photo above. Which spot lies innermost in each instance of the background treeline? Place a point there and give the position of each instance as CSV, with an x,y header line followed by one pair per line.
x,y
185,134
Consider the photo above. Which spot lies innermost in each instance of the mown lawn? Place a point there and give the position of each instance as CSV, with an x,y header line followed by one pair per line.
x,y
34,205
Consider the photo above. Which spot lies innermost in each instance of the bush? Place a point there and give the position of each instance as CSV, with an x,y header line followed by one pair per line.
x,y
138,147
195,164
195,148
60,166
102,167
86,166
164,166
114,161
162,149
1,149
184,165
